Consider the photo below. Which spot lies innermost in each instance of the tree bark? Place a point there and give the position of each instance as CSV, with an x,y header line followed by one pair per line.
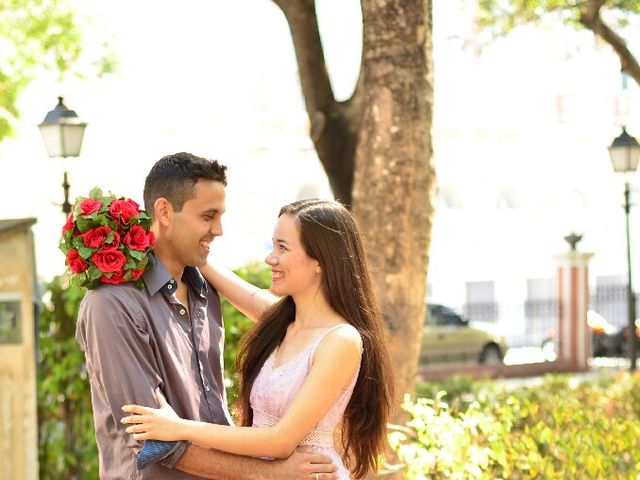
x,y
394,176
376,149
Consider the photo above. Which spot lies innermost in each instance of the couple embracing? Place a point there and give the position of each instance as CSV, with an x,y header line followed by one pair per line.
x,y
315,386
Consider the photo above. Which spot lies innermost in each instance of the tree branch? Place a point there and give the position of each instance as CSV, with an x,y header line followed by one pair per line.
x,y
303,24
591,19
334,125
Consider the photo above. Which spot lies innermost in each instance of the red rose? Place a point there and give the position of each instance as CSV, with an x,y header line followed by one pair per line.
x,y
76,262
124,209
89,206
136,238
136,274
109,260
116,278
115,243
152,238
96,236
69,224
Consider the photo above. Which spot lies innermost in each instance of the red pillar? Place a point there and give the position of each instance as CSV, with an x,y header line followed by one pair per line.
x,y
574,336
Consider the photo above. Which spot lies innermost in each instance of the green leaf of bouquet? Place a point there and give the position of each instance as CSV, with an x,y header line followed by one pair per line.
x,y
130,263
85,252
78,280
95,193
138,255
67,235
144,216
64,246
77,242
103,221
94,273
84,223
143,263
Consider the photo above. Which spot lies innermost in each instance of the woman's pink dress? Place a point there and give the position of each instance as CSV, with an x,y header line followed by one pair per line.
x,y
274,390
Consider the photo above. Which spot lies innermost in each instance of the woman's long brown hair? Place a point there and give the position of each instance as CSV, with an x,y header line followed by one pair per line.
x,y
329,234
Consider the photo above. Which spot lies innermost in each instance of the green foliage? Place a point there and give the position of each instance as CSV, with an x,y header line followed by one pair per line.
x,y
37,36
236,324
67,447
500,17
556,430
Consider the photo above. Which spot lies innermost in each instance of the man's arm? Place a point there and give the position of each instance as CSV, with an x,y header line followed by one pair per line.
x,y
120,358
212,464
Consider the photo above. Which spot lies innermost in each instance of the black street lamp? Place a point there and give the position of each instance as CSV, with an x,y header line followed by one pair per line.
x,y
62,132
625,153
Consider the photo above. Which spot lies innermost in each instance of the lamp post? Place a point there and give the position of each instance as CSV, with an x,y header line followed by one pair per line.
x,y
625,153
62,132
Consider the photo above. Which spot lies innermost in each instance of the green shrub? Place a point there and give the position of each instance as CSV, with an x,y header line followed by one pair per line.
x,y
236,324
66,439
556,430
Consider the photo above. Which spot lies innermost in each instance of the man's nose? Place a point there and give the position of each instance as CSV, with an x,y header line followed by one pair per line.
x,y
216,228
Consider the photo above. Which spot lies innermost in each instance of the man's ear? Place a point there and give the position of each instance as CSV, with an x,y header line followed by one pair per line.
x,y
163,211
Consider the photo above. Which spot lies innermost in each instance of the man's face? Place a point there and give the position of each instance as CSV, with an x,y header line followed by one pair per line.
x,y
200,221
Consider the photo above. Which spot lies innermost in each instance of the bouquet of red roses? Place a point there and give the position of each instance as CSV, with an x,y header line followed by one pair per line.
x,y
106,240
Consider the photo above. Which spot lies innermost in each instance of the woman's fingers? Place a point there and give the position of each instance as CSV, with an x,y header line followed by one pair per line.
x,y
133,419
136,429
135,409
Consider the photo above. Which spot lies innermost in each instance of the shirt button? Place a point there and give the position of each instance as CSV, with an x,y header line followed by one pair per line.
x,y
207,388
170,287
171,281
182,312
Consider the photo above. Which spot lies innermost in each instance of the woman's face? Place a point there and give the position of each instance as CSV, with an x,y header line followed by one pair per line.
x,y
293,272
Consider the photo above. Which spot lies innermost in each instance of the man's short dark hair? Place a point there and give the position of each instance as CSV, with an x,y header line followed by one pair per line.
x,y
174,177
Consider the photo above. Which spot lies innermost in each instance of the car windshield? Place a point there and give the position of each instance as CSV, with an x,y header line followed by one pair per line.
x,y
443,316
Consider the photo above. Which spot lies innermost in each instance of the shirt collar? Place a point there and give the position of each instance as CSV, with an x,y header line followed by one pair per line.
x,y
158,278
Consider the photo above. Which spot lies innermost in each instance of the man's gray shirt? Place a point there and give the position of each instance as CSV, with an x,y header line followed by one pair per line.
x,y
136,340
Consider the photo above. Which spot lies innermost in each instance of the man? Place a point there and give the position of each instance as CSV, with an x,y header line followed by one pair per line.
x,y
169,336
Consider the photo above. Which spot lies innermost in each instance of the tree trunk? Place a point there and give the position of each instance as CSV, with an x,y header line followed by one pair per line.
x,y
376,150
394,176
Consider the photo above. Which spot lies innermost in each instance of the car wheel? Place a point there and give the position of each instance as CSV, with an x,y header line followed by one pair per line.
x,y
490,355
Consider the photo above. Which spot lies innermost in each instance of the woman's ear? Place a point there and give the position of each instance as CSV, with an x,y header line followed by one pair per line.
x,y
318,269
163,211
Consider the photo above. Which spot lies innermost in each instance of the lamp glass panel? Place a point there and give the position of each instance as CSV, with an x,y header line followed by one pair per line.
x,y
63,139
52,140
72,140
625,159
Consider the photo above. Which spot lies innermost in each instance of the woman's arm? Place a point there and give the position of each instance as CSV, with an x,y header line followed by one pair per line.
x,y
335,363
249,299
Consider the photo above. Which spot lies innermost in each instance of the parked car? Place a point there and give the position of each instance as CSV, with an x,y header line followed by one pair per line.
x,y
607,340
449,338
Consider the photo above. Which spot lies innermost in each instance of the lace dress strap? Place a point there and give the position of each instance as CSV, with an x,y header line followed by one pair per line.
x,y
335,327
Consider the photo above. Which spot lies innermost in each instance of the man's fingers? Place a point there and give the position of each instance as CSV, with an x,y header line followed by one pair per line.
x,y
312,457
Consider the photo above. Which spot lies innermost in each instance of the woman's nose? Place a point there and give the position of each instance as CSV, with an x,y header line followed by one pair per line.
x,y
271,259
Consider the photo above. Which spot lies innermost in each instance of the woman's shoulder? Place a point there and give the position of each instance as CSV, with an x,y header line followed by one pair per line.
x,y
342,336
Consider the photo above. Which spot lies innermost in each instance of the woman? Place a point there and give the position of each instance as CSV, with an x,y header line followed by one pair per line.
x,y
316,359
